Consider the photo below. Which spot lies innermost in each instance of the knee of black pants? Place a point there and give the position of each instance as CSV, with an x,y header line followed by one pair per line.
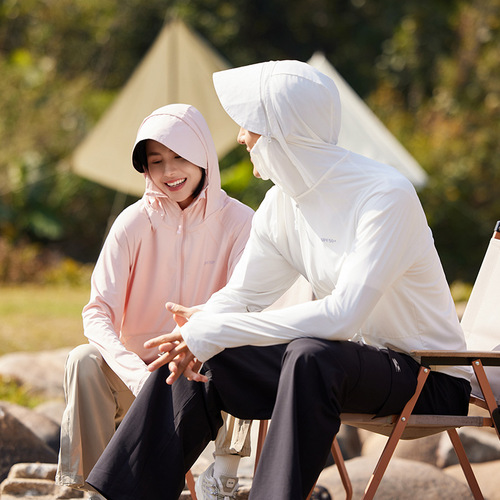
x,y
246,379
327,369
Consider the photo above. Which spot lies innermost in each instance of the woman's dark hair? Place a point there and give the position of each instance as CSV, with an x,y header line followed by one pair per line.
x,y
198,189
139,157
140,162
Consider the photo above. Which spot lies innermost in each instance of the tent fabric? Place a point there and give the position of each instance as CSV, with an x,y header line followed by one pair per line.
x,y
362,132
178,68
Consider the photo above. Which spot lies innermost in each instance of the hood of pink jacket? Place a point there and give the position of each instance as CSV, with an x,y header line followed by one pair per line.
x,y
182,129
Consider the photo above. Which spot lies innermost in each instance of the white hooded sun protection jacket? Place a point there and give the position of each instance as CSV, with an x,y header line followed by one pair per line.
x,y
156,252
353,227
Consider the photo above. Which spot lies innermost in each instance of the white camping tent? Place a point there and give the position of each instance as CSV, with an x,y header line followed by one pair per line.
x,y
177,68
362,132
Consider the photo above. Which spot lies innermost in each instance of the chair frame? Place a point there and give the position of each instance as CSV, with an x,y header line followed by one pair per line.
x,y
405,425
408,426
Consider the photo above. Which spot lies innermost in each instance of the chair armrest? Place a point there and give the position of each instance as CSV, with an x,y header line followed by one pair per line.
x,y
458,358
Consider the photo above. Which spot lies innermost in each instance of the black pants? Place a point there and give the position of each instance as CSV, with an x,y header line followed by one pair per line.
x,y
303,386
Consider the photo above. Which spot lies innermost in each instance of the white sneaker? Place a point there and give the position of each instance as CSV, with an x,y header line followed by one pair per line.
x,y
207,487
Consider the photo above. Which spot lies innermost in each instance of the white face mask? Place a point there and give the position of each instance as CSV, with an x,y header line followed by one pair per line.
x,y
257,157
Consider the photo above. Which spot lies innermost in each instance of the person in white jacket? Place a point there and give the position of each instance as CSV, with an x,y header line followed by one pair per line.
x,y
179,242
355,229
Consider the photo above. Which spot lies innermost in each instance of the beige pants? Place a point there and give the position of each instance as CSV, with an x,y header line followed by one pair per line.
x,y
96,401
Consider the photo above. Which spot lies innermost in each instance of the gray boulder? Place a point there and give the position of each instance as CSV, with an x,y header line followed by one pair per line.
x,y
403,480
42,426
480,446
42,371
52,409
20,444
35,481
421,450
487,475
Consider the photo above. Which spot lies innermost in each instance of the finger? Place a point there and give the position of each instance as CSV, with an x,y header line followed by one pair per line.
x,y
175,373
188,366
165,358
177,367
196,365
193,375
180,320
178,310
167,347
162,339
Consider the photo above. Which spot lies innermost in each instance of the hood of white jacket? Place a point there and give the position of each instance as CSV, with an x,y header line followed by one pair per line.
x,y
296,110
182,128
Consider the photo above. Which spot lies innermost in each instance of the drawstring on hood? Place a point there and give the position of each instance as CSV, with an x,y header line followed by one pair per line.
x,y
182,129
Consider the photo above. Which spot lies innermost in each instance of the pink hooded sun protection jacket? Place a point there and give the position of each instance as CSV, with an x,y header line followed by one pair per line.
x,y
156,252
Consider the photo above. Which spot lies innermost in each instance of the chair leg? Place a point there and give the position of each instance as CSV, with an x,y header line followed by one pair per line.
x,y
396,434
487,392
464,462
260,441
339,462
190,484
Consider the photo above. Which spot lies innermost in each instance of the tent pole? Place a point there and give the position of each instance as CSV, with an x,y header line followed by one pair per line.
x,y
116,208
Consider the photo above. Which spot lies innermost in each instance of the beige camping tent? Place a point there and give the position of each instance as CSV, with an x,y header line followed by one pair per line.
x,y
362,132
177,68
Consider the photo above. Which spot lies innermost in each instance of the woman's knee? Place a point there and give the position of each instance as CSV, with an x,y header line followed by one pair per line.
x,y
84,360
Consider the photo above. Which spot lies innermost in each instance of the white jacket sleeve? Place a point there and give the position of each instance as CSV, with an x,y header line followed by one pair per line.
x,y
254,286
387,238
103,314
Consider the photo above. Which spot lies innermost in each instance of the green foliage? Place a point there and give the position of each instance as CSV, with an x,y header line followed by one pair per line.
x,y
430,70
33,263
238,181
13,392
460,291
446,110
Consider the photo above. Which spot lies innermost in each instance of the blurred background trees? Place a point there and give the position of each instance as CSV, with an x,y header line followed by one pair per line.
x,y
429,69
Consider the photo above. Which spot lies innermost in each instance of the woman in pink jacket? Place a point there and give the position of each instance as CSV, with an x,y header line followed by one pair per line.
x,y
178,243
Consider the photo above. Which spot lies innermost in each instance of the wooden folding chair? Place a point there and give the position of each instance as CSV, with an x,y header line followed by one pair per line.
x,y
483,341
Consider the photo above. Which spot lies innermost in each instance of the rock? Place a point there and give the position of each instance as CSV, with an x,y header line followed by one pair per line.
x,y
52,409
42,371
20,444
45,428
349,442
35,481
422,449
486,474
480,446
403,480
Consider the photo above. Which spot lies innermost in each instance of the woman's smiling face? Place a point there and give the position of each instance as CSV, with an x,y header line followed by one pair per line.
x,y
172,174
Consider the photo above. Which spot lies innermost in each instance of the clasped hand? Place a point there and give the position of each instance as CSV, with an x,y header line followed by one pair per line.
x,y
175,352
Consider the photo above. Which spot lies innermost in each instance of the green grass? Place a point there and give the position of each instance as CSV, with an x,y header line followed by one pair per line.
x,y
35,318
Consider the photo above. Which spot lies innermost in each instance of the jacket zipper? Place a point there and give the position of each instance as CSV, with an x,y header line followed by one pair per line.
x,y
181,230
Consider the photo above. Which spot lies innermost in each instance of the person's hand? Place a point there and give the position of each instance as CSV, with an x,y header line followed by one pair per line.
x,y
174,350
181,314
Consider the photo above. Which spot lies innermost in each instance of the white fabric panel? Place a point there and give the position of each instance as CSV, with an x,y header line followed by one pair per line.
x,y
480,319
